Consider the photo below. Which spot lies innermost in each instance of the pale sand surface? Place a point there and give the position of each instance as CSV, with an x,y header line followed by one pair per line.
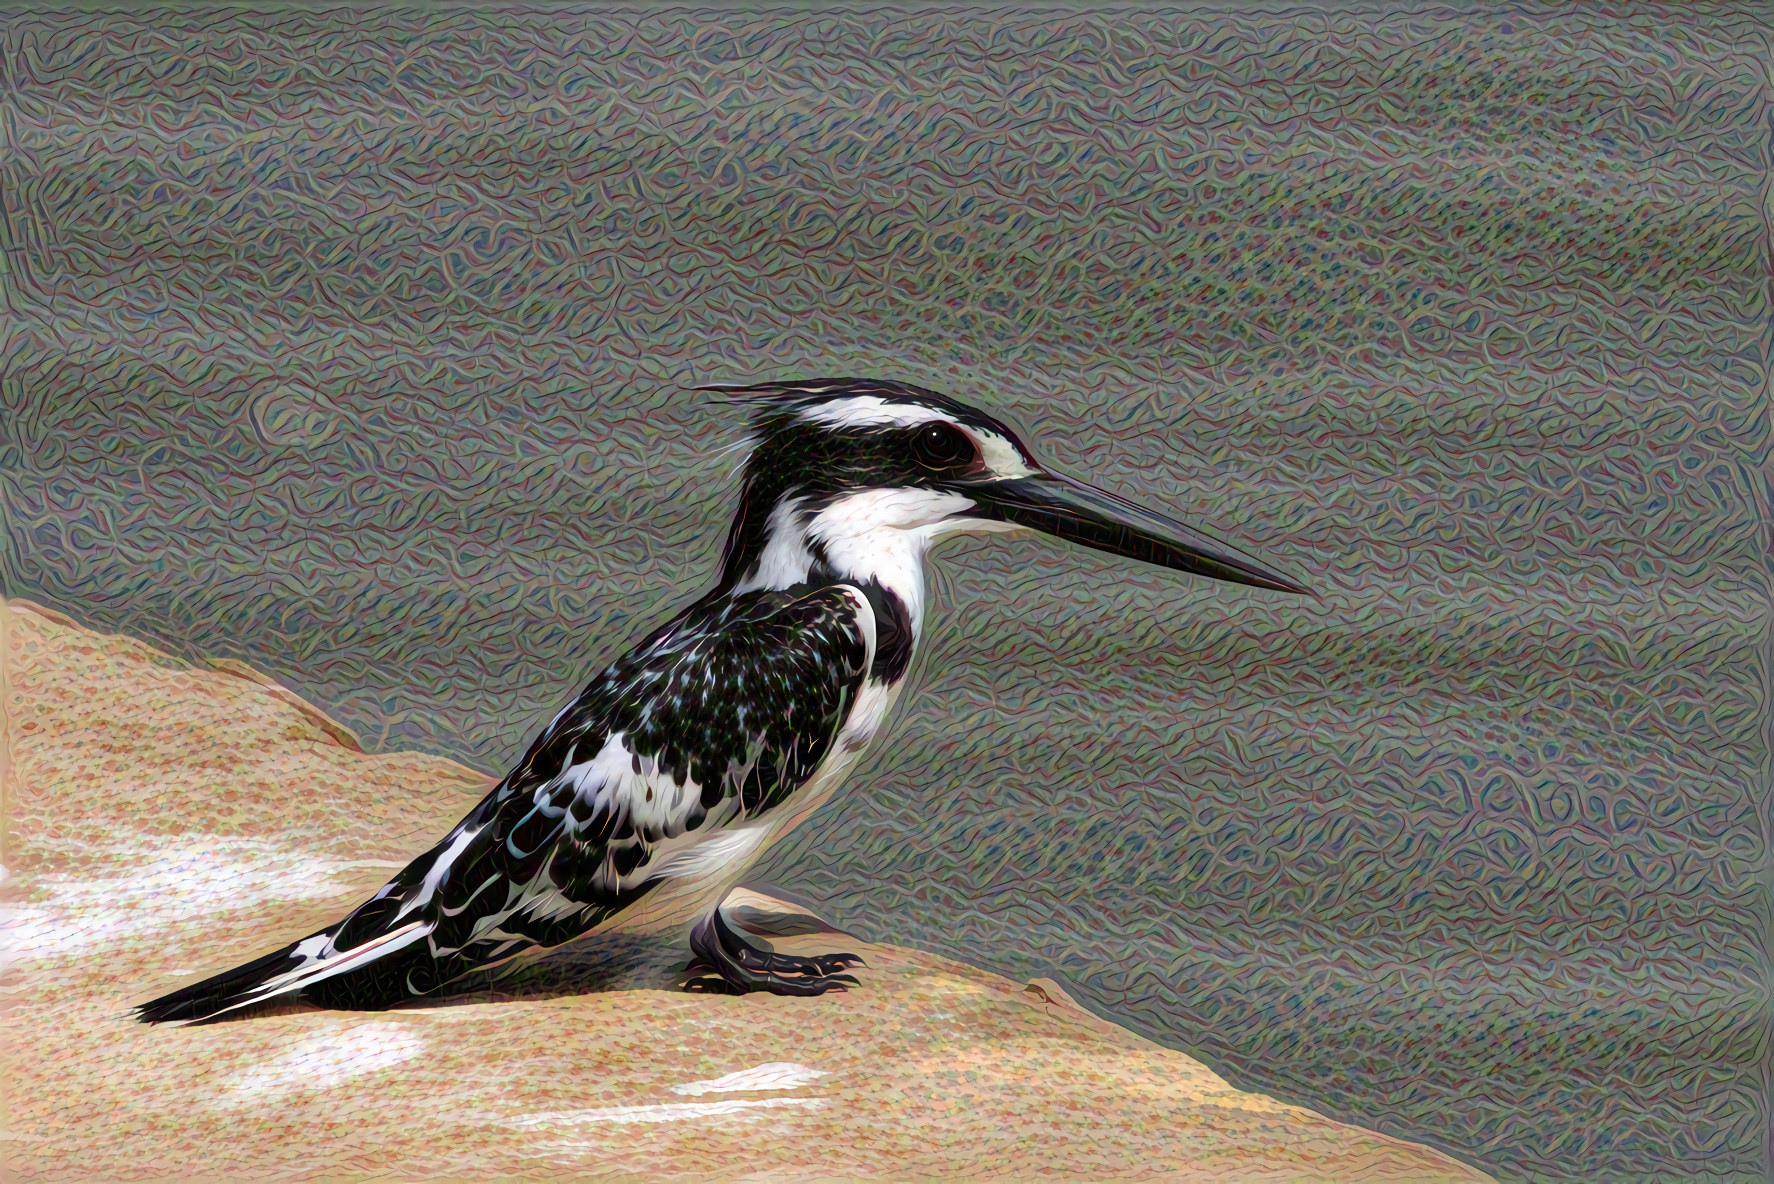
x,y
166,821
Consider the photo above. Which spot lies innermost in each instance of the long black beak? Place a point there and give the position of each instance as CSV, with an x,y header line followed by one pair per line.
x,y
1069,509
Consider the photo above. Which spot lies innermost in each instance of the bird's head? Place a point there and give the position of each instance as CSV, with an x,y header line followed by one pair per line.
x,y
847,474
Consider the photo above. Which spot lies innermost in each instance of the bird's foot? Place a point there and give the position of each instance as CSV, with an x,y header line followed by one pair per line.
x,y
743,967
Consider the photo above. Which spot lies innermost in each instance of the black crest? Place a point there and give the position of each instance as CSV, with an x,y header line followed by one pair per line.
x,y
775,404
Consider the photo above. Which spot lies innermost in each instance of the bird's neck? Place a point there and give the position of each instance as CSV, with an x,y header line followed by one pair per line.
x,y
874,538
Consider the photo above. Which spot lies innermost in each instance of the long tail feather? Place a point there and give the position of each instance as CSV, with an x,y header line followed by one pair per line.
x,y
294,968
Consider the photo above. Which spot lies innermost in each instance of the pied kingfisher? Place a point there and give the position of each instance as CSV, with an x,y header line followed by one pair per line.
x,y
645,801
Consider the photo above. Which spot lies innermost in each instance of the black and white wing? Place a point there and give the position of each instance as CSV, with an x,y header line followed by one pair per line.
x,y
712,722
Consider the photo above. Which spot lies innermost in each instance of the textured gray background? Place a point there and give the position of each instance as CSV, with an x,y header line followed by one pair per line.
x,y
354,345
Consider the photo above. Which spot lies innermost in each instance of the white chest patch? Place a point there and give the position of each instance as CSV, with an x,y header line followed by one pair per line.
x,y
866,716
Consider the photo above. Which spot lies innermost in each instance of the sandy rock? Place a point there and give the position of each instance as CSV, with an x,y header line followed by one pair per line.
x,y
167,821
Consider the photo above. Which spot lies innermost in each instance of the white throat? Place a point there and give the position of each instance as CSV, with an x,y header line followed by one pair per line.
x,y
873,534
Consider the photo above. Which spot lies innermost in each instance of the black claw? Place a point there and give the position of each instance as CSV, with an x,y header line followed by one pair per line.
x,y
743,967
830,962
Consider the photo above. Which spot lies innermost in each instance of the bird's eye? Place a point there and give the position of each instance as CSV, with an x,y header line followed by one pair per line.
x,y
943,446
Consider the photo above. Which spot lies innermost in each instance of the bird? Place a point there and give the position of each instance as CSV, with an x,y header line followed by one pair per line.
x,y
644,801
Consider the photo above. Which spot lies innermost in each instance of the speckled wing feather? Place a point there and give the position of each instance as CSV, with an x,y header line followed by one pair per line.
x,y
712,722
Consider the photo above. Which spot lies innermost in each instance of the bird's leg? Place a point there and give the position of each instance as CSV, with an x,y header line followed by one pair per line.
x,y
744,967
